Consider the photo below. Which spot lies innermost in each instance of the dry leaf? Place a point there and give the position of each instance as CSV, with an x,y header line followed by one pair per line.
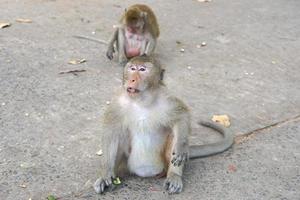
x,y
77,61
4,24
21,20
99,153
222,119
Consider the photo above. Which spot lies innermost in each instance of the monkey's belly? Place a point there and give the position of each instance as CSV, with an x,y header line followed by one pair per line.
x,y
132,52
134,44
145,158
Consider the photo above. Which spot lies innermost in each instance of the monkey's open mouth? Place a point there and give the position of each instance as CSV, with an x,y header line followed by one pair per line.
x,y
132,90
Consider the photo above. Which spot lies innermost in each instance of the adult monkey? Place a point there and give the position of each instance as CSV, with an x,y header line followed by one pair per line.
x,y
136,35
148,128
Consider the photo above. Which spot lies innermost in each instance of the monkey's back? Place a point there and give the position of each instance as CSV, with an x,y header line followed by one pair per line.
x,y
152,21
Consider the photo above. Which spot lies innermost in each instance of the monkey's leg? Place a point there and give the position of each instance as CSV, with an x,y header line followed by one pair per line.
x,y
110,49
121,46
150,46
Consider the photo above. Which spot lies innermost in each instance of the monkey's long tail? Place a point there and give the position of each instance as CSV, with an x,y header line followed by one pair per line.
x,y
198,151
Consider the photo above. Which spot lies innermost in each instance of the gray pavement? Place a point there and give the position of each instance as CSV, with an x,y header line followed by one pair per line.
x,y
249,70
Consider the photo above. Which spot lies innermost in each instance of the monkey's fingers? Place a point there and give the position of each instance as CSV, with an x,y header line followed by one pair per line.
x,y
99,186
173,184
108,182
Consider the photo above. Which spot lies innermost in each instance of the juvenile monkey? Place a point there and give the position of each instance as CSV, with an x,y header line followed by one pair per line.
x,y
136,35
148,129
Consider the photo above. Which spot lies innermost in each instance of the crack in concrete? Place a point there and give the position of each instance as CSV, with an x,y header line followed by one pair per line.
x,y
247,136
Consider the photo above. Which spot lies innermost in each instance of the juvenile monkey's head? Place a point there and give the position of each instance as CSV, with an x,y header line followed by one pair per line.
x,y
142,74
134,19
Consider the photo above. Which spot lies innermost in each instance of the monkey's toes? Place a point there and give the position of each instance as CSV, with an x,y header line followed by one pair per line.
x,y
173,184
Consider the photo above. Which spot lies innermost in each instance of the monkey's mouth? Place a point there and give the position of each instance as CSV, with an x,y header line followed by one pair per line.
x,y
132,90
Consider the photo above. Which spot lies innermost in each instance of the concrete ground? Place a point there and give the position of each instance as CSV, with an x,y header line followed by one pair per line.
x,y
249,70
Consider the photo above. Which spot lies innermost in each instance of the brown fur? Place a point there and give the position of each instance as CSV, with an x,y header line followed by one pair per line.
x,y
133,12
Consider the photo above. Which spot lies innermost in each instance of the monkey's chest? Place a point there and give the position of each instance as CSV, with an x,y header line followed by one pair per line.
x,y
145,158
135,44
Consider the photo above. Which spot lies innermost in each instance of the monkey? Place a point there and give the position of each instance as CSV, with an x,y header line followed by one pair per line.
x,y
147,128
136,34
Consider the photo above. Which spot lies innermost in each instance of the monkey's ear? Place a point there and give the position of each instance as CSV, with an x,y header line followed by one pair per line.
x,y
162,73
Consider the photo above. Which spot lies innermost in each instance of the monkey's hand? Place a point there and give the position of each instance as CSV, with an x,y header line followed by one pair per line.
x,y
109,53
173,183
179,159
103,184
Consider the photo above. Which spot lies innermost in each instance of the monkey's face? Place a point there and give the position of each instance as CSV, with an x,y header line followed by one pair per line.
x,y
140,77
135,20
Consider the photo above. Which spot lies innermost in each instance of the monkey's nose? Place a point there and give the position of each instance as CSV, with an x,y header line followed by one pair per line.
x,y
132,80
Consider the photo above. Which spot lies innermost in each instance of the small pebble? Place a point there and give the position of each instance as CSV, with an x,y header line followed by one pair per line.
x,y
182,50
3,104
107,102
26,114
189,67
203,44
99,153
93,33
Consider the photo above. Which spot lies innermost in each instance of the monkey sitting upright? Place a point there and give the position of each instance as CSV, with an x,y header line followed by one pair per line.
x,y
136,35
148,128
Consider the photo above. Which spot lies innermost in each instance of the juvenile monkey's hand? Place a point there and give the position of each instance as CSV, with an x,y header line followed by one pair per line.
x,y
179,159
102,184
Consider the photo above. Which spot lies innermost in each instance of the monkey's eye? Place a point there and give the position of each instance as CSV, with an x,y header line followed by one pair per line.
x,y
142,69
132,68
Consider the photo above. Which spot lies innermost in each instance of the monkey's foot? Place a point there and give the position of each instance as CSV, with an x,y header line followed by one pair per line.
x,y
179,159
173,183
103,184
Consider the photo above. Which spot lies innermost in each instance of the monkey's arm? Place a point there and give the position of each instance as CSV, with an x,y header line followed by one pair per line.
x,y
181,130
110,48
111,133
198,151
